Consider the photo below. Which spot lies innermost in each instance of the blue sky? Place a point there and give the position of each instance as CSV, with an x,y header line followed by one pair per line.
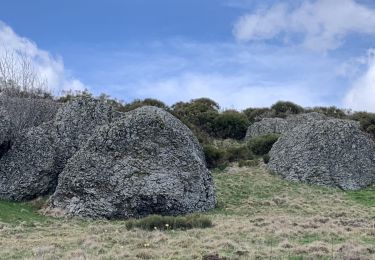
x,y
241,53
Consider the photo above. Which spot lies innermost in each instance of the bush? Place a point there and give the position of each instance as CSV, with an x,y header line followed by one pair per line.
x,y
198,113
266,158
367,121
214,156
230,124
157,222
140,103
262,144
248,163
255,114
233,154
284,108
330,112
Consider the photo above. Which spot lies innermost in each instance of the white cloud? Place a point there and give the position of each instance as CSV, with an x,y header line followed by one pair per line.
x,y
51,68
362,93
229,91
323,24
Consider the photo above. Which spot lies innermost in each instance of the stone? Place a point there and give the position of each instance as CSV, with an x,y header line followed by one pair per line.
x,y
31,165
146,162
27,169
281,125
329,152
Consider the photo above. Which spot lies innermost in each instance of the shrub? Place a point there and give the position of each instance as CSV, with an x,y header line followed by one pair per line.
x,y
248,163
214,156
330,111
367,121
199,113
140,103
158,222
230,124
262,144
233,154
266,158
284,108
255,114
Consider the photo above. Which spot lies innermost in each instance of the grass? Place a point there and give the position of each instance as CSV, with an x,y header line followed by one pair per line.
x,y
259,216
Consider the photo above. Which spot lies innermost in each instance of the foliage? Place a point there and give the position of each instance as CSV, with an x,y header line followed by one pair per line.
x,y
367,121
262,144
284,108
140,103
254,114
233,154
230,124
198,113
248,163
266,158
157,222
214,156
329,111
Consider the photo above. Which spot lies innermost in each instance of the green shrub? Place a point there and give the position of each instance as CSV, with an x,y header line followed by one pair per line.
x,y
248,163
198,113
233,154
329,111
284,108
157,222
230,124
254,114
262,144
137,103
266,158
214,156
367,121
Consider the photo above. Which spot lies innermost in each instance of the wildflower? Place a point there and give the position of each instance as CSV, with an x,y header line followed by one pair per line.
x,y
167,225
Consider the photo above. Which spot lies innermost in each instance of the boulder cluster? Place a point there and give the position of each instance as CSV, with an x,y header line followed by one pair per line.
x,y
320,150
101,163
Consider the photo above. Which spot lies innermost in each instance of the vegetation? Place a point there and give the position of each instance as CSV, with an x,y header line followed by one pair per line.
x,y
258,216
285,108
157,222
261,145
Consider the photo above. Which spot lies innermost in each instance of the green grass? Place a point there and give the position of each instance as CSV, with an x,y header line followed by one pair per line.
x,y
365,197
12,212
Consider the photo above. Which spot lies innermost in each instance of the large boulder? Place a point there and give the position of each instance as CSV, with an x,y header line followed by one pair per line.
x,y
281,125
27,169
328,152
37,155
147,162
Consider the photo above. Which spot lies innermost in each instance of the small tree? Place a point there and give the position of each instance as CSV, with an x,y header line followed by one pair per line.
x,y
19,77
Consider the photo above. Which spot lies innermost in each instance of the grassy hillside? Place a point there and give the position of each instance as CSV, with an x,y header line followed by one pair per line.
x,y
258,215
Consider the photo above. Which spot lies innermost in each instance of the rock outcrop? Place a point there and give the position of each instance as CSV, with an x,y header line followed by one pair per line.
x,y
281,125
146,162
31,165
328,152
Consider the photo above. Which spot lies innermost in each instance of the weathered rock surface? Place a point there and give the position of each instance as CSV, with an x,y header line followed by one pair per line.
x,y
27,169
31,166
281,125
147,162
328,152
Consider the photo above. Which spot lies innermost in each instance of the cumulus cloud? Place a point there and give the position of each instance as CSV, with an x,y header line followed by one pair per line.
x,y
321,24
49,67
362,93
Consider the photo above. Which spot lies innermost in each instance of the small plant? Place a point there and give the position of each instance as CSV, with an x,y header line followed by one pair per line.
x,y
248,163
233,154
214,156
261,145
266,158
157,222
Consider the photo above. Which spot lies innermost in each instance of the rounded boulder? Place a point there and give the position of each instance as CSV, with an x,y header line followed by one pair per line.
x,y
146,162
329,152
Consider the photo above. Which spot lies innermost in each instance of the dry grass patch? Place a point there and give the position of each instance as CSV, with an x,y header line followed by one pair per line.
x,y
258,216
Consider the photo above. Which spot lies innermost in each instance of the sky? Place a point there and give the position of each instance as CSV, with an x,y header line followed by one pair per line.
x,y
241,53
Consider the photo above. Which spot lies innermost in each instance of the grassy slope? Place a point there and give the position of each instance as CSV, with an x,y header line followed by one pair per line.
x,y
258,216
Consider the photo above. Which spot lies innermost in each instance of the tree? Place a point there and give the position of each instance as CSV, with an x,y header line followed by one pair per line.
x,y
19,77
